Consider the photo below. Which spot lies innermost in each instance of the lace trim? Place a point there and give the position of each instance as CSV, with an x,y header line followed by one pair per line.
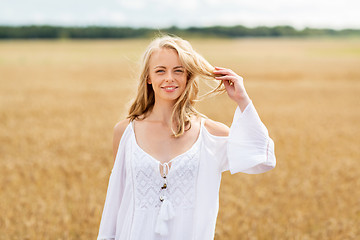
x,y
180,180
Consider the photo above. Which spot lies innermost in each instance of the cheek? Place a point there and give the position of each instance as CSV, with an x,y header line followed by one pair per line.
x,y
185,80
152,78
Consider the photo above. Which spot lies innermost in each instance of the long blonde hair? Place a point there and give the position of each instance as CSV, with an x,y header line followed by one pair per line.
x,y
196,67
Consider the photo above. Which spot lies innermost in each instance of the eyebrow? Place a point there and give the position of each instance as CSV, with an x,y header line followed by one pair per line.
x,y
165,67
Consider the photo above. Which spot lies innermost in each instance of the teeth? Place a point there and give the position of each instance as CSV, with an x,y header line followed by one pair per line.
x,y
168,88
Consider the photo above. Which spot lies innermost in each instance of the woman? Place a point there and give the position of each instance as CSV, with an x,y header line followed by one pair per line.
x,y
169,157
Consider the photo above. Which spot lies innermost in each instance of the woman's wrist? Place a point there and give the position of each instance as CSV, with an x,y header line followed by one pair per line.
x,y
242,101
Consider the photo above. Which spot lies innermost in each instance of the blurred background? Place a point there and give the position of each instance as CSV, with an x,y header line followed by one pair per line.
x,y
68,71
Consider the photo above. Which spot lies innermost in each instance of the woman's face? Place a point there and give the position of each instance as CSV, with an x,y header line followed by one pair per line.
x,y
167,75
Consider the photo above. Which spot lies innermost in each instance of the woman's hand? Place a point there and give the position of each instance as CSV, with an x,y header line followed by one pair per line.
x,y
234,85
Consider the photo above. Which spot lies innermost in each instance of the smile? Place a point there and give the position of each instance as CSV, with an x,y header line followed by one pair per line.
x,y
169,88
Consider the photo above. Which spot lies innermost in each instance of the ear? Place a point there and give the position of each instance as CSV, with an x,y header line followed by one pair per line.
x,y
148,80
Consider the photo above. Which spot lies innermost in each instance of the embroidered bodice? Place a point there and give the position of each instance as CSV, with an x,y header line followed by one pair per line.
x,y
174,189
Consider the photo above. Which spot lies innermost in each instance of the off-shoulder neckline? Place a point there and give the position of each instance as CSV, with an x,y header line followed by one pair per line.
x,y
179,156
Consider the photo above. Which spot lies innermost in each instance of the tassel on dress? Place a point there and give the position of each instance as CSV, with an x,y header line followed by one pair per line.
x,y
166,213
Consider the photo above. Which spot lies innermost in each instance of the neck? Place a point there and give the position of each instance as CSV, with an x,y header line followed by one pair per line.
x,y
162,111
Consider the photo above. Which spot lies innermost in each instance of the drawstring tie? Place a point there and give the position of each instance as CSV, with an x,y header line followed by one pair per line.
x,y
166,212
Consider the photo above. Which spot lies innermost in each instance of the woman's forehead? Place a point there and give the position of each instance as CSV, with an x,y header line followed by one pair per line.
x,y
164,57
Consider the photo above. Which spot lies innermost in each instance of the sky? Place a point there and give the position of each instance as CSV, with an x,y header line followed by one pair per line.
x,y
337,14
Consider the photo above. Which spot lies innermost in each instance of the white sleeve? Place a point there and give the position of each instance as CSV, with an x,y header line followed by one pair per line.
x,y
249,148
114,195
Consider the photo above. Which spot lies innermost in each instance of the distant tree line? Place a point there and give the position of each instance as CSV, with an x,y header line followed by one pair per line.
x,y
102,32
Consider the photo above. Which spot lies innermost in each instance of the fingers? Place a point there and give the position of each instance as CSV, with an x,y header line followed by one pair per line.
x,y
227,84
226,77
227,80
223,71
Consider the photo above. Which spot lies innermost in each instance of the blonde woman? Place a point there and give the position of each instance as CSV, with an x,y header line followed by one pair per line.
x,y
169,158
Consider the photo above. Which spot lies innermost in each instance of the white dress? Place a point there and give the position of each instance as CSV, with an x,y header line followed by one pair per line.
x,y
139,207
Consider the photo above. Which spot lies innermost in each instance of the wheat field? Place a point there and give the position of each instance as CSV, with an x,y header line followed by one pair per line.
x,y
61,99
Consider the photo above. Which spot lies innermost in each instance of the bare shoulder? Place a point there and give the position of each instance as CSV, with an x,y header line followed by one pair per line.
x,y
216,128
119,129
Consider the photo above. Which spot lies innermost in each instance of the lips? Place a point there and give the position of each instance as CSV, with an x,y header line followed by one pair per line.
x,y
169,87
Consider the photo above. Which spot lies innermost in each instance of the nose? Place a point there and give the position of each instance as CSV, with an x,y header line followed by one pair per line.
x,y
169,77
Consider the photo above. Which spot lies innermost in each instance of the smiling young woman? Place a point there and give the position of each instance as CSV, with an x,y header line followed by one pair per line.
x,y
166,75
169,157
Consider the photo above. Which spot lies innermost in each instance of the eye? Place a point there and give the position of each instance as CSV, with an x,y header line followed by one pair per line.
x,y
159,71
179,71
